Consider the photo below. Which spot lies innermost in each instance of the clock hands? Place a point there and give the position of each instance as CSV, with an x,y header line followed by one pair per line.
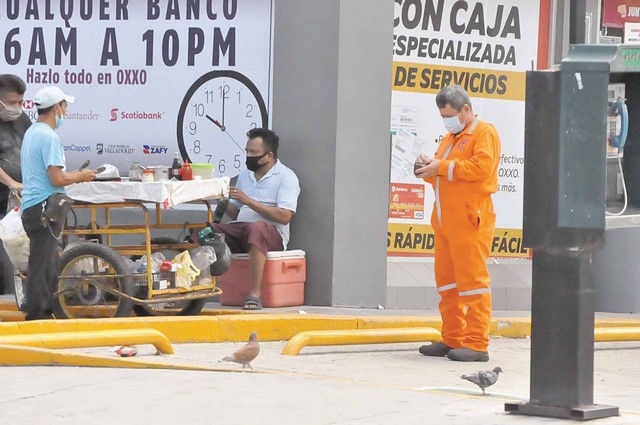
x,y
223,97
234,141
223,129
217,123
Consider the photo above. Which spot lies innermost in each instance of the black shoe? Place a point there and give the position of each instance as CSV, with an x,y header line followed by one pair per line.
x,y
468,355
439,349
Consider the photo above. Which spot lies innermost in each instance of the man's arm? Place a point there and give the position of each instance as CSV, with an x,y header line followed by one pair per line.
x,y
276,214
61,178
8,181
232,211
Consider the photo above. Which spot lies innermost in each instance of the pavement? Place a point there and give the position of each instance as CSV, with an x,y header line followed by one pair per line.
x,y
345,384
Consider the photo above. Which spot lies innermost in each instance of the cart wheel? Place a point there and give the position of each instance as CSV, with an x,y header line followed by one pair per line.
x,y
178,308
89,294
18,290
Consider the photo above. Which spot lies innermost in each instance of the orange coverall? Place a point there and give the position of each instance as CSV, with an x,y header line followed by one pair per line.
x,y
463,221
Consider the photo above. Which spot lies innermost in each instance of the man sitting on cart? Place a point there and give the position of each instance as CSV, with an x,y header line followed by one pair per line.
x,y
262,204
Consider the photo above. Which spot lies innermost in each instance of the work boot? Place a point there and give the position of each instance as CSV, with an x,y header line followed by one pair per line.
x,y
439,349
468,355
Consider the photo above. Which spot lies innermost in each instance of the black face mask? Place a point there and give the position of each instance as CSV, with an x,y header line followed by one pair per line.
x,y
252,162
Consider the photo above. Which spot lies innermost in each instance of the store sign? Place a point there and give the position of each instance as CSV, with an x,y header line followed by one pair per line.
x,y
616,12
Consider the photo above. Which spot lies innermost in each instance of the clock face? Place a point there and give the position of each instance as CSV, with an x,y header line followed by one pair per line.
x,y
215,115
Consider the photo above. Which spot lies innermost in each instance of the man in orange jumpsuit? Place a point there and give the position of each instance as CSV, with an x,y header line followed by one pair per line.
x,y
464,174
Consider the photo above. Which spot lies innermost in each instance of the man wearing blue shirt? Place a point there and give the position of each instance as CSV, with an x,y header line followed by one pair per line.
x,y
262,203
44,173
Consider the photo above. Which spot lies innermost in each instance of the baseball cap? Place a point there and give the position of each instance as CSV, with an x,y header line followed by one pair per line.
x,y
49,96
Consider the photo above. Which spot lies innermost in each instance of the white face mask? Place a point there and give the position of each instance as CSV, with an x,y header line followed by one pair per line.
x,y
10,113
453,124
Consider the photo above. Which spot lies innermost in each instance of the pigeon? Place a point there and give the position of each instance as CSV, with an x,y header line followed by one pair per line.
x,y
484,378
246,354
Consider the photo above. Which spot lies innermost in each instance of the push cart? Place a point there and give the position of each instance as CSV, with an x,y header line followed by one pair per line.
x,y
96,280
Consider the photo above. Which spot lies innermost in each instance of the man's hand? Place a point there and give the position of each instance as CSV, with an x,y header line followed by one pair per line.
x,y
16,186
429,170
277,214
420,165
239,195
87,175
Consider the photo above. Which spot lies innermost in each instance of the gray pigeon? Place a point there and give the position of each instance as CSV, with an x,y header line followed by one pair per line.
x,y
247,353
484,378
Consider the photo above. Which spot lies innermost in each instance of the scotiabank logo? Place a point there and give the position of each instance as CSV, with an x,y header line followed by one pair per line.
x,y
116,114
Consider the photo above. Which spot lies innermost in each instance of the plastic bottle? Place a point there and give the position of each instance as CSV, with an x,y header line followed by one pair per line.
x,y
187,172
135,173
176,168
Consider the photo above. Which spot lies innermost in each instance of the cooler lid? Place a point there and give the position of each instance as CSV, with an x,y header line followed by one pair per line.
x,y
294,253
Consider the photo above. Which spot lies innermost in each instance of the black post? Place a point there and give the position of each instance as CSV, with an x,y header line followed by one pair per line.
x,y
564,221
577,26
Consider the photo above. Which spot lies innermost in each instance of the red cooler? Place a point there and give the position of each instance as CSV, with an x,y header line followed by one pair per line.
x,y
285,273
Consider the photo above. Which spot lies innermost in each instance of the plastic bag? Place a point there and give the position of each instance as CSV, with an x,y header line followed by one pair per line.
x,y
15,239
203,257
207,237
140,265
187,271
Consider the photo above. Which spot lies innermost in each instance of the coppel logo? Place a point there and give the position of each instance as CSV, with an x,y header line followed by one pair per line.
x,y
77,148
114,115
154,150
100,148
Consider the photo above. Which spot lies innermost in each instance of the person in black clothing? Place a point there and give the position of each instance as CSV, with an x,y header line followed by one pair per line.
x,y
14,122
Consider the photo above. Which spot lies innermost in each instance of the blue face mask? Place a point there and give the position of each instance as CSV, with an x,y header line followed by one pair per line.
x,y
59,120
453,124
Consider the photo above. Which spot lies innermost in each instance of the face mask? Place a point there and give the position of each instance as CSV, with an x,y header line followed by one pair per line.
x,y
59,121
453,124
252,162
10,113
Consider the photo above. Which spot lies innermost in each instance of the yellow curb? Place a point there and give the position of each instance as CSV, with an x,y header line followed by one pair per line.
x,y
355,337
92,339
200,329
8,305
269,326
617,334
32,356
11,316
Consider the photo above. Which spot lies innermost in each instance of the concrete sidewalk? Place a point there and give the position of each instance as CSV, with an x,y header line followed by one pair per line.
x,y
364,384
381,384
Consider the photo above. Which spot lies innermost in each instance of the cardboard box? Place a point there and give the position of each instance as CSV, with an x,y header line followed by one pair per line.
x,y
285,273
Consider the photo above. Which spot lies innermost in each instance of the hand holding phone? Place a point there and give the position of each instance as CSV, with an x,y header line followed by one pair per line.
x,y
418,165
84,165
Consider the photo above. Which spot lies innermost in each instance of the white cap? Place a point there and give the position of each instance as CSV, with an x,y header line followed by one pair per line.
x,y
50,96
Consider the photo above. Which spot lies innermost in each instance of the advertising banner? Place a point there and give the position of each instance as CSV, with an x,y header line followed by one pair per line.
x,y
486,47
150,77
615,13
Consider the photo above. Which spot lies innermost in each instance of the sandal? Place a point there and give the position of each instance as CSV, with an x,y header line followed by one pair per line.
x,y
252,303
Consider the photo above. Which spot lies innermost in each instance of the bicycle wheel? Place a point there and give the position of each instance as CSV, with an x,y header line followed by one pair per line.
x,y
90,275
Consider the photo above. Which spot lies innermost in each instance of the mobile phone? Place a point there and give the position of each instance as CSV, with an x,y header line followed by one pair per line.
x,y
84,165
417,166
